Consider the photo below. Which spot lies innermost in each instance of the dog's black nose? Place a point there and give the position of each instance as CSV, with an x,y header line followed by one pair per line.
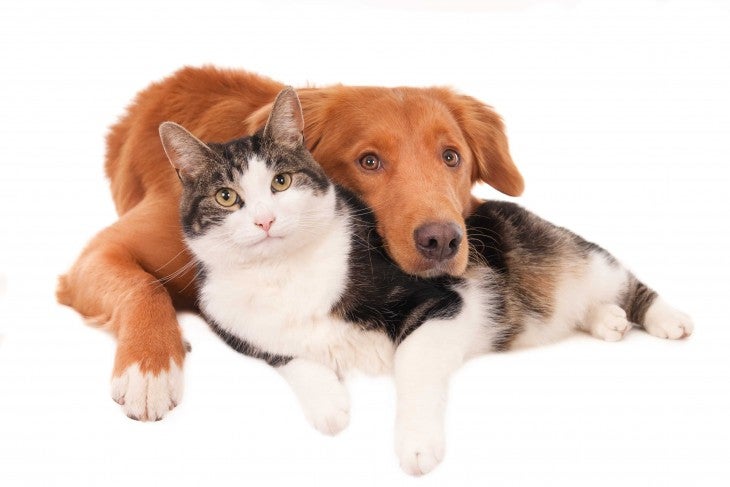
x,y
438,240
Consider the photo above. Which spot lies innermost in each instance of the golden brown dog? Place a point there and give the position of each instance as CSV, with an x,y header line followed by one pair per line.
x,y
413,154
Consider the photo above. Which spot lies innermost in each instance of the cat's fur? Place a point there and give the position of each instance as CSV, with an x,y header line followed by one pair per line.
x,y
299,278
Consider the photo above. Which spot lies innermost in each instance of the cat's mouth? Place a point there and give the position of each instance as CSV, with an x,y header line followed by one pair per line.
x,y
266,239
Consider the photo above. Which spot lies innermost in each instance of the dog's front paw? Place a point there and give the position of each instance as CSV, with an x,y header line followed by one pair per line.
x,y
147,396
607,322
666,322
419,445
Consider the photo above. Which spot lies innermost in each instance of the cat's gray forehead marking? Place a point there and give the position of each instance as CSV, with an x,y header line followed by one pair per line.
x,y
236,155
281,159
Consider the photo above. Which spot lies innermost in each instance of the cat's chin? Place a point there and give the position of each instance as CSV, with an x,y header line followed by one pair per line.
x,y
266,244
277,247
268,247
268,240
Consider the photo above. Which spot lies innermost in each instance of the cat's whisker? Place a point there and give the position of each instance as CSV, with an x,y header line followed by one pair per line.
x,y
193,279
170,261
174,275
162,281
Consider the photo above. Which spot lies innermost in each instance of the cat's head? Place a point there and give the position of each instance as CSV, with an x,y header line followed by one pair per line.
x,y
255,197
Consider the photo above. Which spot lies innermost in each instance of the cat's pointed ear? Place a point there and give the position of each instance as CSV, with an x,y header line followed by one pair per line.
x,y
286,122
188,155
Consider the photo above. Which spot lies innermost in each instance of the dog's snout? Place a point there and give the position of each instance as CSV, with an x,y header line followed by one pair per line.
x,y
438,240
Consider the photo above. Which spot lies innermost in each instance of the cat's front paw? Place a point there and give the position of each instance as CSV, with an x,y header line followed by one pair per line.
x,y
419,446
148,396
327,408
663,321
607,322
322,395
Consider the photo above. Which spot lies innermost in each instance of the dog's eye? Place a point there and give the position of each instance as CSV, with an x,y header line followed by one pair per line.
x,y
370,162
450,157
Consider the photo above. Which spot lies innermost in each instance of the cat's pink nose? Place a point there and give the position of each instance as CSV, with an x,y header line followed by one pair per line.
x,y
265,223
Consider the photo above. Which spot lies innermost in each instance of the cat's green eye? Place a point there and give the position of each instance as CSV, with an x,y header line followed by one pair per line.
x,y
226,197
281,182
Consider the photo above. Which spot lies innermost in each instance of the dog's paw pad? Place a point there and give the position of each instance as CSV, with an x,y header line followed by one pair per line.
x,y
147,396
663,321
607,322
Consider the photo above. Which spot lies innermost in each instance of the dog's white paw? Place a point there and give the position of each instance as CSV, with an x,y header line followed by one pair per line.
x,y
666,322
146,396
607,322
419,446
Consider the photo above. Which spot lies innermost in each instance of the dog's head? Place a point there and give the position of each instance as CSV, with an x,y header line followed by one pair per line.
x,y
413,154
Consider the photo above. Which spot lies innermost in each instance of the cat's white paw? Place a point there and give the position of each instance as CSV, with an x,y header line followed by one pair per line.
x,y
663,321
323,397
607,322
419,446
327,408
145,396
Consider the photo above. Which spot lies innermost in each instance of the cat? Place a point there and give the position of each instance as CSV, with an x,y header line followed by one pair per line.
x,y
292,271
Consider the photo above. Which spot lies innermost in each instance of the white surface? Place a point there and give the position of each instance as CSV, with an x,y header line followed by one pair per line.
x,y
618,116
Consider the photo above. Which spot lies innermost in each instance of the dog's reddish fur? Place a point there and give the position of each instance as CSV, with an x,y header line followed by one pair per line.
x,y
134,274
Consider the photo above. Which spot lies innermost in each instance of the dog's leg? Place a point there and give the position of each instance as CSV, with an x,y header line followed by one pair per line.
x,y
109,285
423,364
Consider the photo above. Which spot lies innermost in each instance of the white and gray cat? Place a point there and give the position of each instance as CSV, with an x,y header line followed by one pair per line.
x,y
293,272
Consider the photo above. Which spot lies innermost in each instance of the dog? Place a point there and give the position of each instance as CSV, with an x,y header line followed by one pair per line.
x,y
413,155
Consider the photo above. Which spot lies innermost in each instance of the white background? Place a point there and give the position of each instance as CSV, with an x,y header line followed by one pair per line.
x,y
618,117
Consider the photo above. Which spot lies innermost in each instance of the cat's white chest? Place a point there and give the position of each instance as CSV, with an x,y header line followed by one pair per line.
x,y
284,308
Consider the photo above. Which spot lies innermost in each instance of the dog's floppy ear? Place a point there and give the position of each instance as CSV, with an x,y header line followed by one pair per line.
x,y
484,131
